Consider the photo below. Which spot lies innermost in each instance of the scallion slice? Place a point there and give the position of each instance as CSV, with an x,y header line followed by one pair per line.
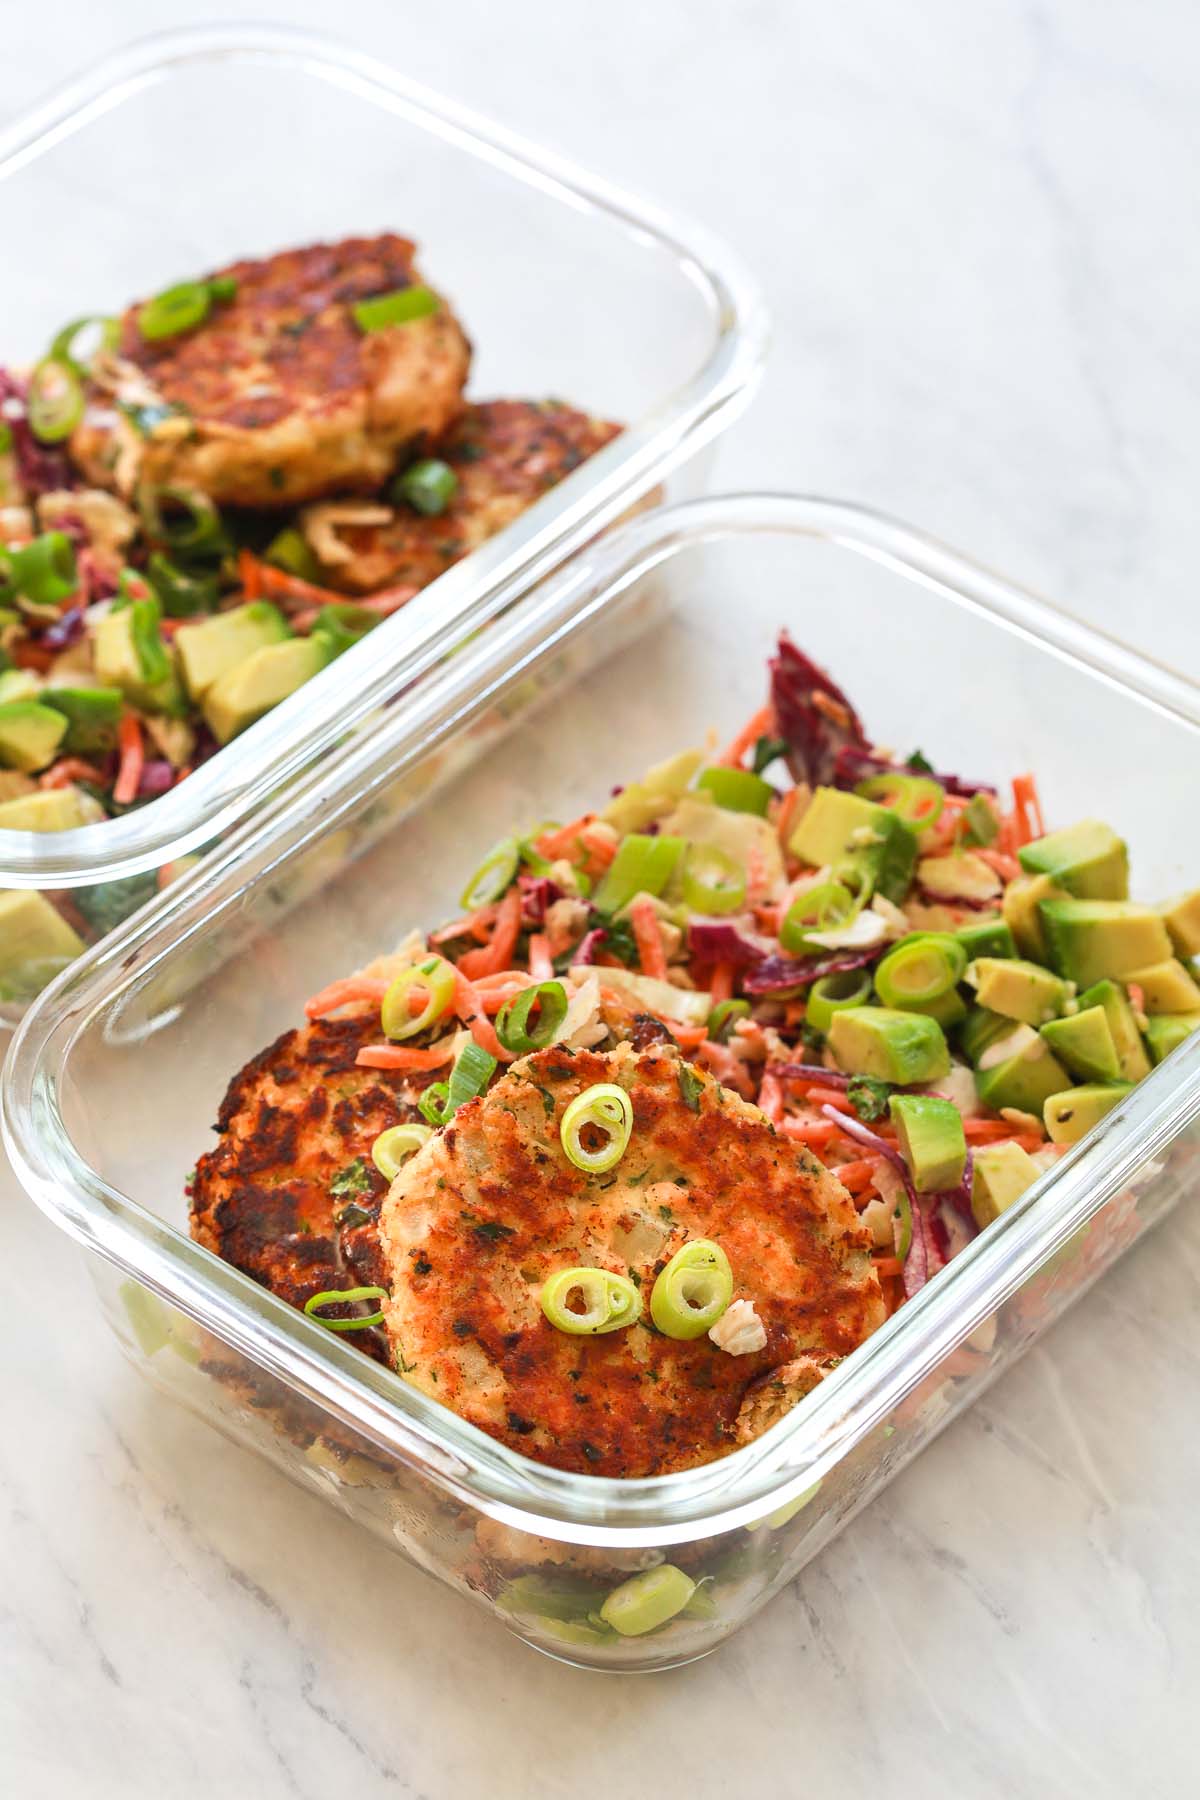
x,y
435,979
393,1147
606,1109
722,1016
917,799
63,349
346,1297
428,486
819,908
43,571
609,1302
471,1073
713,882
692,1291
223,288
177,309
737,790
400,307
834,992
493,877
920,969
547,1003
54,402
183,518
642,865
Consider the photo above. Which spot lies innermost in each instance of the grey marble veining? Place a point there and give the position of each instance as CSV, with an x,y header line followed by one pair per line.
x,y
978,232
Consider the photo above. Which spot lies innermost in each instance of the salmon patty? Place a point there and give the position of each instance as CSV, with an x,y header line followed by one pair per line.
x,y
491,1207
278,395
505,453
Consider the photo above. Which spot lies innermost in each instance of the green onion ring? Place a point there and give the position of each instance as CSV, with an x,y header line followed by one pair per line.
x,y
917,799
610,1301
400,307
54,402
818,908
692,1291
712,881
920,969
722,1016
427,486
393,1147
435,978
202,532
346,1297
177,309
834,992
433,1103
493,877
471,1073
604,1107
44,571
63,348
512,1021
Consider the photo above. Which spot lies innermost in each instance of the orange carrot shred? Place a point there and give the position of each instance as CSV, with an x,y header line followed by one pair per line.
x,y
68,769
403,1056
721,985
759,725
341,993
648,937
541,966
133,759
496,954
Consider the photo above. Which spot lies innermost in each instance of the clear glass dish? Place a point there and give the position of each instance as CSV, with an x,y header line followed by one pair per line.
x,y
197,145
660,632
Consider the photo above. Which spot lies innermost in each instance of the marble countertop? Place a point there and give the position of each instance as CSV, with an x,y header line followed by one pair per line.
x,y
984,271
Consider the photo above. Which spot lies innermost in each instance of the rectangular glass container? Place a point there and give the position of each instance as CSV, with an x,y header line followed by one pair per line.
x,y
195,146
658,634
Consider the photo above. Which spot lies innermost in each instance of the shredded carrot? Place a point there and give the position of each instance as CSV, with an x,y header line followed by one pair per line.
x,y
342,993
556,844
688,1037
769,919
265,578
541,965
404,1056
1028,822
721,984
770,1097
857,1175
648,937
754,728
133,759
1137,995
1007,867
249,569
815,1132
757,882
477,925
497,954
783,818
68,769
886,1266
32,656
823,1096
987,1131
469,1007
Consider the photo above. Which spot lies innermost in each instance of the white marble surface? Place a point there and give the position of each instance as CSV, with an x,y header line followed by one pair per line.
x,y
978,230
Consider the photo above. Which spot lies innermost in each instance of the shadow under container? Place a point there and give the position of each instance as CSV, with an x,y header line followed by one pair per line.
x,y
632,654
193,147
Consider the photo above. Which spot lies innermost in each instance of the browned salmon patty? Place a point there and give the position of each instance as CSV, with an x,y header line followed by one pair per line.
x,y
278,395
490,1207
505,453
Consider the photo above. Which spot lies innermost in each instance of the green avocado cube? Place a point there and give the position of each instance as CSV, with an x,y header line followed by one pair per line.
x,y
35,943
1087,940
1182,920
213,646
1018,989
981,1028
837,828
1000,1174
1131,1054
1167,987
50,809
1070,1116
1166,1032
30,735
252,687
1022,898
932,1140
987,937
1020,1071
19,684
1084,1044
1089,860
901,1047
128,653
981,816
92,714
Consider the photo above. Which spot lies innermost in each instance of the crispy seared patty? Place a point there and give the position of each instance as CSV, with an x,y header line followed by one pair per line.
x,y
505,453
278,395
491,1206
295,1119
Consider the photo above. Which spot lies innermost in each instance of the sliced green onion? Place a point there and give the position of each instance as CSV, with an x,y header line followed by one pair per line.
x,y
832,993
819,908
200,533
435,978
713,882
6,437
470,1075
648,1600
903,1226
737,790
604,1108
693,1290
400,307
290,550
609,1302
346,1297
63,348
393,1147
182,594
428,486
434,1102
44,571
982,819
920,969
917,799
177,309
341,626
223,287
642,865
54,402
493,877
548,1002
721,1018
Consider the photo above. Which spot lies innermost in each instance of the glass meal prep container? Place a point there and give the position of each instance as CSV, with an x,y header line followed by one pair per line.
x,y
566,286
655,635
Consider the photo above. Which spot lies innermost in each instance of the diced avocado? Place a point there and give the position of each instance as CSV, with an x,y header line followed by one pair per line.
x,y
1089,939
251,688
92,714
988,937
1131,1054
30,735
1166,1032
1084,1044
19,684
981,816
640,803
1167,987
960,876
1018,989
1087,859
35,943
213,646
1019,1070
1182,920
50,809
948,1009
1022,898
837,828
932,1141
1071,1115
1000,1175
981,1028
901,1047
642,865
128,653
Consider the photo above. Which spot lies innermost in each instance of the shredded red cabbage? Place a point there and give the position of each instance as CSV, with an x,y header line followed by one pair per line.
x,y
589,945
537,893
725,941
854,765
812,715
66,630
156,777
779,974
918,1264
